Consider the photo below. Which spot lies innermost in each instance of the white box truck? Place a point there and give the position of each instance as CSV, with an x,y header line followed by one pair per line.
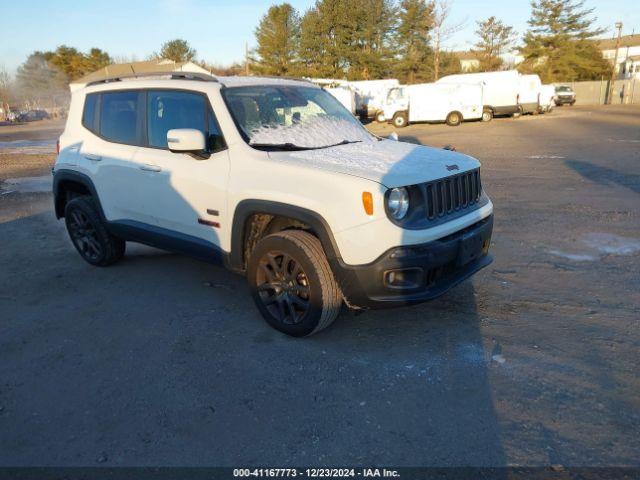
x,y
339,89
529,93
499,91
371,95
432,102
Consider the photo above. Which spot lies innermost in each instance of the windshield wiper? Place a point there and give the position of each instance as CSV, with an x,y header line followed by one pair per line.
x,y
293,147
343,142
280,146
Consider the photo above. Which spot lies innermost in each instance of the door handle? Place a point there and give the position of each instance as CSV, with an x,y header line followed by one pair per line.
x,y
150,168
91,156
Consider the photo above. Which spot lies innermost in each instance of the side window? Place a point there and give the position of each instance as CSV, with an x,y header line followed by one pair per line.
x,y
90,110
173,109
119,119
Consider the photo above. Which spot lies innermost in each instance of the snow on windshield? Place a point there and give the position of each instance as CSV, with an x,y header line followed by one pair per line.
x,y
315,131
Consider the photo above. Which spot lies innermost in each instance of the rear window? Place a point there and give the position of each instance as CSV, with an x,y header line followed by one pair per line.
x,y
119,117
89,114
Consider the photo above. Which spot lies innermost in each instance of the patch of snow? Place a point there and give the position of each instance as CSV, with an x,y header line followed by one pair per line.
x,y
498,359
316,131
623,140
576,257
612,244
238,81
28,147
27,185
388,162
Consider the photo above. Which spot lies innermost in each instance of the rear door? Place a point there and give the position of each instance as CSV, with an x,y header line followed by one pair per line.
x,y
108,155
187,195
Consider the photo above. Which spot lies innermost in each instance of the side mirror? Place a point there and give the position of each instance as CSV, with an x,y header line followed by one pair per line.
x,y
393,136
186,140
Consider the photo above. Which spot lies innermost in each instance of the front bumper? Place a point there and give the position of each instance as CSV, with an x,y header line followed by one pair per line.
x,y
565,100
426,271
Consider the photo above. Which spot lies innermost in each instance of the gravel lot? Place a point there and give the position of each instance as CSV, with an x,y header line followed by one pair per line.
x,y
161,360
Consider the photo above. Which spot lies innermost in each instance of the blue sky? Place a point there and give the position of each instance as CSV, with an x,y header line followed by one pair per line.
x,y
218,30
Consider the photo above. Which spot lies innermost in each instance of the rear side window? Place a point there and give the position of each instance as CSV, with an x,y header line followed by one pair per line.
x,y
120,121
89,114
173,109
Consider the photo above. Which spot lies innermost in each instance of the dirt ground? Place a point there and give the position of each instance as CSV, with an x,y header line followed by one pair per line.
x,y
162,360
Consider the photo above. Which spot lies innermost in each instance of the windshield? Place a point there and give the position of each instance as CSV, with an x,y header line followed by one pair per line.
x,y
292,117
563,89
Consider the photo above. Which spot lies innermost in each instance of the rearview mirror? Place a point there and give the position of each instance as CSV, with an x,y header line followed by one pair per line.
x,y
186,140
393,136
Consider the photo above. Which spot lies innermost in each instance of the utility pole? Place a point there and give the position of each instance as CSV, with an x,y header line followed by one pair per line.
x,y
614,69
246,58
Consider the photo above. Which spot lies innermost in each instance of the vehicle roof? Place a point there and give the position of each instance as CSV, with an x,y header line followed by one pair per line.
x,y
155,81
241,81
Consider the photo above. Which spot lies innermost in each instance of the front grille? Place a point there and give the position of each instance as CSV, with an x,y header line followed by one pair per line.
x,y
451,194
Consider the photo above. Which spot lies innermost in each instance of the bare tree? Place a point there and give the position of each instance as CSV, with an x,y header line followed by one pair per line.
x,y
442,32
5,89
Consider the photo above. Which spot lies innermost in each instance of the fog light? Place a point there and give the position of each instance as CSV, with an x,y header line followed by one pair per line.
x,y
403,278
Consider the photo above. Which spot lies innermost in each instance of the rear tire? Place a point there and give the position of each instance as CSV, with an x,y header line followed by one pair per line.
x,y
487,115
89,234
400,120
380,117
292,284
454,119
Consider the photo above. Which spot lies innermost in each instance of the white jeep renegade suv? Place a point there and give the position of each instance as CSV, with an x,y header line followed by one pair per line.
x,y
277,181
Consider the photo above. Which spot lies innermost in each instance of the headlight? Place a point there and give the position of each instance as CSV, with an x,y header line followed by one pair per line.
x,y
398,203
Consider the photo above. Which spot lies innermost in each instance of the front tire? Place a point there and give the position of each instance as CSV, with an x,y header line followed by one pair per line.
x,y
400,120
89,235
380,118
454,119
292,284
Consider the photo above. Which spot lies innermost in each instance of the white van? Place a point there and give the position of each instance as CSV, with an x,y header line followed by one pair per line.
x,y
529,93
371,95
499,91
547,98
432,102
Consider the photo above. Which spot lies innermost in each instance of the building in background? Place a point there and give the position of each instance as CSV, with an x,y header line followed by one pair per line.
x,y
628,62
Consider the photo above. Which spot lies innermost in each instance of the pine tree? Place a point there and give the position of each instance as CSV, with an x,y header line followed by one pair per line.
x,y
278,36
96,59
416,19
494,37
313,47
559,45
370,54
177,50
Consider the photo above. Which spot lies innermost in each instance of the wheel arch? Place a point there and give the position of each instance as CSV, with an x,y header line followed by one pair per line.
x,y
250,207
66,184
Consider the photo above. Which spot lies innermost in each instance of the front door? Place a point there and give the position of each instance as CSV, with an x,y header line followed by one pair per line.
x,y
187,197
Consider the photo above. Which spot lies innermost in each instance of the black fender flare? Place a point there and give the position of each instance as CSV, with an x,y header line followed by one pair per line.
x,y
249,207
60,177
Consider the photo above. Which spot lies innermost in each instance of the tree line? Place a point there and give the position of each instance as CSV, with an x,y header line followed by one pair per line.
x,y
369,39
358,39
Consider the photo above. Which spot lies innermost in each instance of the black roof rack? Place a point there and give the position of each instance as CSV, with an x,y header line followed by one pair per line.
x,y
203,77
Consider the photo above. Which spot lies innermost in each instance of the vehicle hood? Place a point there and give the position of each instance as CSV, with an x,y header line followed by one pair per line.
x,y
388,162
